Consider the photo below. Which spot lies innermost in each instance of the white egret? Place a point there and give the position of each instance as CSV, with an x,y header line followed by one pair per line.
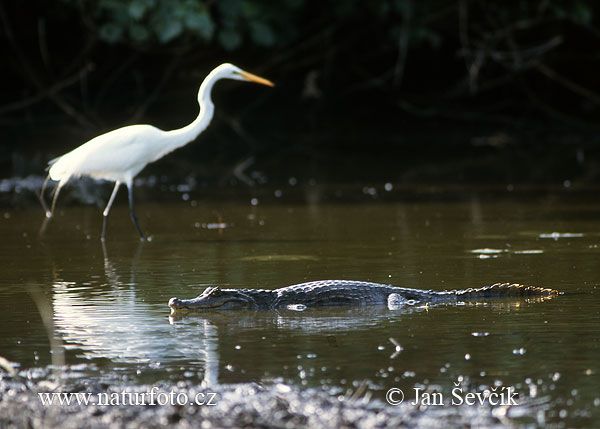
x,y
119,155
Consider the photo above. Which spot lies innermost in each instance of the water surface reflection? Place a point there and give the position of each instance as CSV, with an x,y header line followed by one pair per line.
x,y
109,305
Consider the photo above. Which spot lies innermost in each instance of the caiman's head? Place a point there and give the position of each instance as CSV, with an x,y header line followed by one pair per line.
x,y
212,297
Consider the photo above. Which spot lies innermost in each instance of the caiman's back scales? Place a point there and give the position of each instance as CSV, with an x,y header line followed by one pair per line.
x,y
344,292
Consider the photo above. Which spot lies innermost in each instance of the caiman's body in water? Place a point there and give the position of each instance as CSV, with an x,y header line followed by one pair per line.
x,y
343,292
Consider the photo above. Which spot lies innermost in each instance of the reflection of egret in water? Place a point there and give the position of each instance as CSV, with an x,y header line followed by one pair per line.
x,y
45,310
205,342
116,324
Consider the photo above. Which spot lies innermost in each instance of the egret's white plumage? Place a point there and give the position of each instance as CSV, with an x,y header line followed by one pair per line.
x,y
121,154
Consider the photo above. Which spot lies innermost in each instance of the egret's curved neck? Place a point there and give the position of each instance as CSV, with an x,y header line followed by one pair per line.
x,y
182,136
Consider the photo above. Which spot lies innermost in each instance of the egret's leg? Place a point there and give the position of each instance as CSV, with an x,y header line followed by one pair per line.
x,y
132,210
42,200
56,192
107,209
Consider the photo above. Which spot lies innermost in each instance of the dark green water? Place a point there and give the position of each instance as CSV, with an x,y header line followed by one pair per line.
x,y
108,304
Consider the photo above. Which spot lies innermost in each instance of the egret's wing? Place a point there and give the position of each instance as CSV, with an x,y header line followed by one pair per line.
x,y
111,156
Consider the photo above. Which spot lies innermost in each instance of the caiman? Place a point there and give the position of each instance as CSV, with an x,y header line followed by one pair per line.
x,y
344,292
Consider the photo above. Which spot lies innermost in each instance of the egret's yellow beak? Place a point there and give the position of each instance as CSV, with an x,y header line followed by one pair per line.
x,y
253,78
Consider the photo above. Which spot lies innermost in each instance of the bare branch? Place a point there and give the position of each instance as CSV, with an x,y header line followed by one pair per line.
x,y
576,88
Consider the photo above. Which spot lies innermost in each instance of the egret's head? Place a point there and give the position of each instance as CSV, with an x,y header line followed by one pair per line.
x,y
229,71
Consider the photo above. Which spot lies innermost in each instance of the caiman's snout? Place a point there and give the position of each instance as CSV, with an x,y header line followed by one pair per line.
x,y
175,305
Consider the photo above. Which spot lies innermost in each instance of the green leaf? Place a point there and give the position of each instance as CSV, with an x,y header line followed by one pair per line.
x,y
229,8
423,34
582,14
404,8
117,10
230,39
168,29
137,9
110,32
201,23
139,33
262,34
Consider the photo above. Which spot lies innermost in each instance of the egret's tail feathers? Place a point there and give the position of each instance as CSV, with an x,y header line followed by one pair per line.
x,y
53,161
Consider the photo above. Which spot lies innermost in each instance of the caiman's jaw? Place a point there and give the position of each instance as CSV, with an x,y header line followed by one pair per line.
x,y
212,297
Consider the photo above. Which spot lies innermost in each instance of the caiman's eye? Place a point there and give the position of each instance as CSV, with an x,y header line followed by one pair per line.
x,y
215,292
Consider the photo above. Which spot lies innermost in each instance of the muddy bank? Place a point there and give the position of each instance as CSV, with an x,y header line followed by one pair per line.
x,y
226,406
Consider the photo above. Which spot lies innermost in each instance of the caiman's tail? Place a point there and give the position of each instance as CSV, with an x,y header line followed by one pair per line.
x,y
505,290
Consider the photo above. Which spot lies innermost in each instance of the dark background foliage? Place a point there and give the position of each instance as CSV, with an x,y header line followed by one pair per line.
x,y
394,89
